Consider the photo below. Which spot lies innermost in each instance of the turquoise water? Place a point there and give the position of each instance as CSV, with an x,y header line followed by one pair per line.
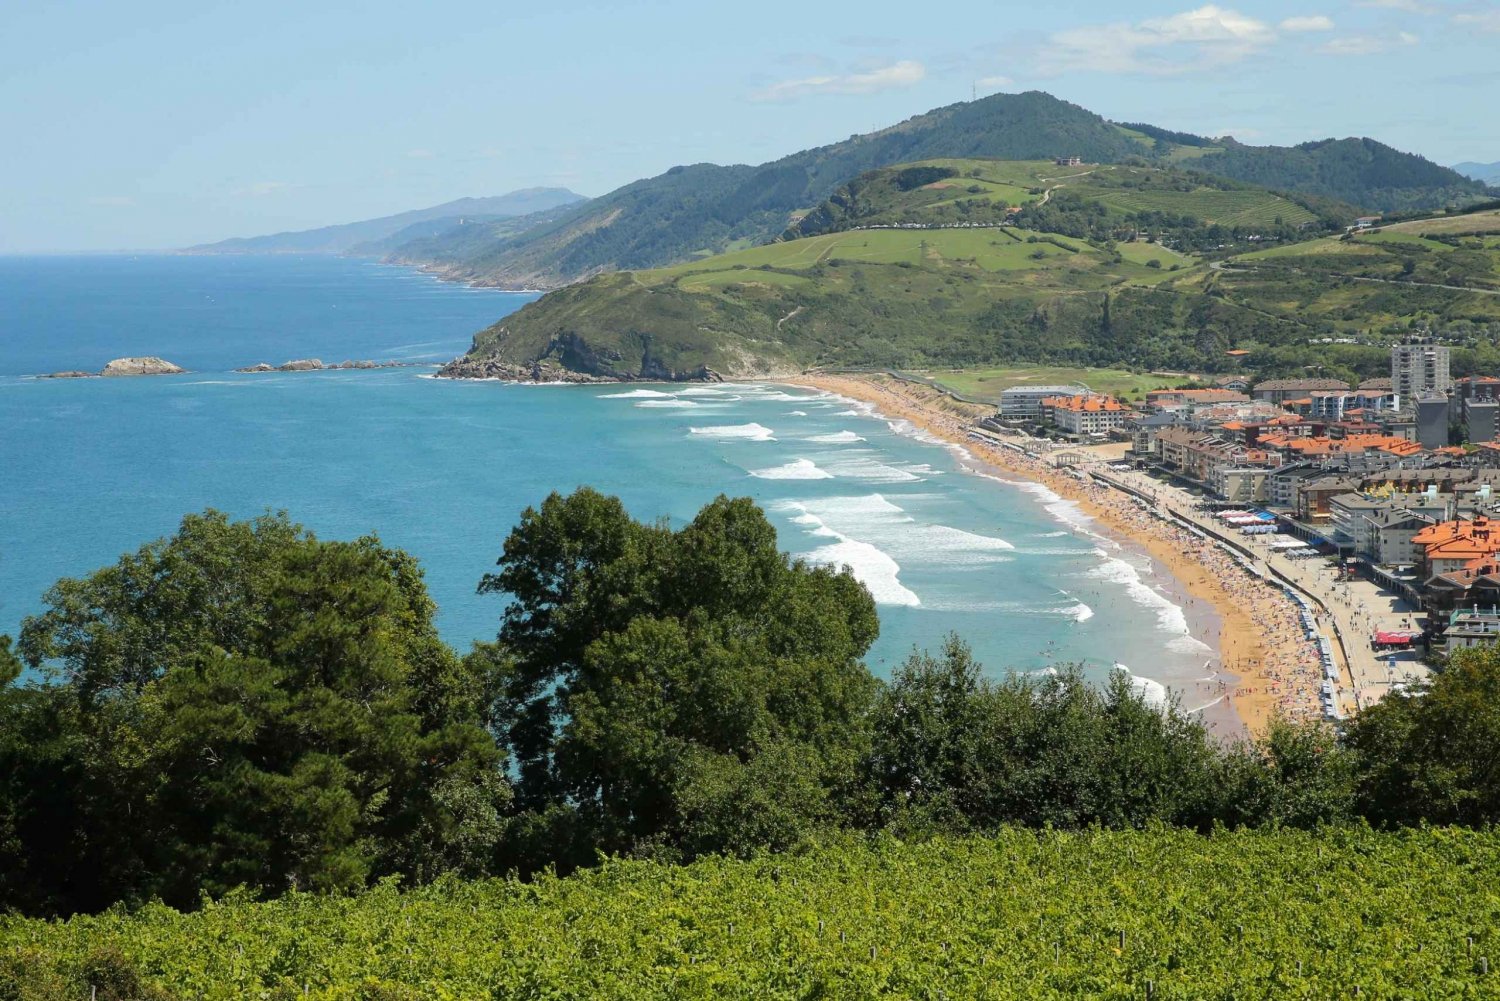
x,y
91,468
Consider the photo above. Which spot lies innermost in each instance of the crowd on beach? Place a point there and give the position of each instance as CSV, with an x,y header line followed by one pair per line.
x,y
1279,669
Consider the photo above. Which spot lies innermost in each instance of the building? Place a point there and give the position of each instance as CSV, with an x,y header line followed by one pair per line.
x,y
1334,404
1471,627
1236,383
1281,390
1365,222
1380,382
1085,415
1432,419
1420,365
1381,528
1165,399
1068,161
1450,546
1025,402
1483,419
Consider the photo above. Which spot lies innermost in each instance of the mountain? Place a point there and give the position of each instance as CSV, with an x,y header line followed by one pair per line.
x,y
470,229
1489,173
940,262
694,211
1363,172
372,232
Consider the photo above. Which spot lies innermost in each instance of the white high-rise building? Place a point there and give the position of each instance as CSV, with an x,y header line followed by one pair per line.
x,y
1420,366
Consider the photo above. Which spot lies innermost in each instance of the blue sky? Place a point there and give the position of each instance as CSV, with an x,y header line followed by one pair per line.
x,y
159,124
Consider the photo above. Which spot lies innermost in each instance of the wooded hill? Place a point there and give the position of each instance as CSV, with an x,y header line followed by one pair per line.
x,y
703,209
965,262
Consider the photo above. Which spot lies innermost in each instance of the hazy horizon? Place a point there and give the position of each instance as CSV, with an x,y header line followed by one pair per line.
x,y
135,141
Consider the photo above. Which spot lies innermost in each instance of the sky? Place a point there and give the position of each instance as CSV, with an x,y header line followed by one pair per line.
x,y
157,124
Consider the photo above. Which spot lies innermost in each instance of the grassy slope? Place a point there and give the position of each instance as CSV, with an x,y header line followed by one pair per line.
x,y
988,383
1023,915
1310,280
906,297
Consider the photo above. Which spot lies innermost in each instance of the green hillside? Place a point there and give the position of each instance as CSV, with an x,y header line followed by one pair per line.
x,y
1129,915
910,267
703,209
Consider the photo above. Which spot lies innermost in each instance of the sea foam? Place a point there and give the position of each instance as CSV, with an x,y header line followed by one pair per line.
x,y
634,394
747,432
665,404
836,438
799,469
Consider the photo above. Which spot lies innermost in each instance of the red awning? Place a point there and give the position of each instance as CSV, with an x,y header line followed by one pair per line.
x,y
1395,638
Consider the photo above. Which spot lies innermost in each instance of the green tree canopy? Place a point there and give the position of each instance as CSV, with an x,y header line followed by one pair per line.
x,y
657,674
243,703
1431,755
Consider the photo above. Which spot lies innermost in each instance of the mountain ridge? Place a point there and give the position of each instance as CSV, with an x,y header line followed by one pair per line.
x,y
702,209
342,238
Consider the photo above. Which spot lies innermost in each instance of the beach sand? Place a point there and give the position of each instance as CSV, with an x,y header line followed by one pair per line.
x,y
1259,641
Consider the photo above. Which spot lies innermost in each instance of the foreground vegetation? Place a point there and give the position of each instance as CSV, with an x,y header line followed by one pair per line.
x,y
1021,915
244,712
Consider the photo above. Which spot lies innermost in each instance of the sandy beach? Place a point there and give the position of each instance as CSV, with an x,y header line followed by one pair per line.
x,y
1261,639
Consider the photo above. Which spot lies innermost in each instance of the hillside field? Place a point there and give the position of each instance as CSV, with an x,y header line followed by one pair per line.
x,y
1165,914
987,383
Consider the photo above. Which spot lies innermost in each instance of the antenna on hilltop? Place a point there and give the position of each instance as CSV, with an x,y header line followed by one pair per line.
x,y
974,91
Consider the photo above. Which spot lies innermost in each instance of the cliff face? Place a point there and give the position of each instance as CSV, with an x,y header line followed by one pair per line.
x,y
614,328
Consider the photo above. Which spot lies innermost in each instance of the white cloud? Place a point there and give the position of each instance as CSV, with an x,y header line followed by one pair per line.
x,y
905,73
112,201
1312,22
1194,40
1367,45
995,81
1488,20
1410,6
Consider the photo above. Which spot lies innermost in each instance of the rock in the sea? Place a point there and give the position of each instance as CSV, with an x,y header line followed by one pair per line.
x,y
301,365
71,375
262,367
142,366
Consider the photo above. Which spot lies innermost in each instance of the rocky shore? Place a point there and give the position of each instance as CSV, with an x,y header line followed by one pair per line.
x,y
549,370
316,365
125,367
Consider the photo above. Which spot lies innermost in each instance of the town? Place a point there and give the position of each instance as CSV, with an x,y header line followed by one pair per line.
x,y
1378,501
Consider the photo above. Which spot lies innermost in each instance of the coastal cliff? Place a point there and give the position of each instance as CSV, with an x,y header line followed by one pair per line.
x,y
615,328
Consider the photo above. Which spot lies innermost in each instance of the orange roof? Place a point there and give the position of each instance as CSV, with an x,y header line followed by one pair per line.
x,y
1237,353
1233,425
1086,404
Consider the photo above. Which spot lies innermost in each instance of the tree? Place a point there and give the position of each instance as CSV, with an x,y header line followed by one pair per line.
x,y
659,679
244,704
1429,754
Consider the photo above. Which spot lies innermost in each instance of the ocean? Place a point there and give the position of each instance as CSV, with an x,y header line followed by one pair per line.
x,y
95,467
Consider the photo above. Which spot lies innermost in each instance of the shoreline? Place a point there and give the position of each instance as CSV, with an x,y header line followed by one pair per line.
x,y
1197,569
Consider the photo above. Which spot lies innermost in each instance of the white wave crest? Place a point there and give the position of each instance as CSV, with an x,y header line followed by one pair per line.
x,y
665,404
799,469
747,432
634,394
1169,616
1153,692
836,438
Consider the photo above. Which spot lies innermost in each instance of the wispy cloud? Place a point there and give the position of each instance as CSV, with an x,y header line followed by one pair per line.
x,y
1311,22
904,73
1367,45
995,82
1487,20
112,201
1410,6
1193,40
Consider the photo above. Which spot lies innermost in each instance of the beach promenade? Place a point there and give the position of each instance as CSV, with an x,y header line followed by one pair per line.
x,y
1349,611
